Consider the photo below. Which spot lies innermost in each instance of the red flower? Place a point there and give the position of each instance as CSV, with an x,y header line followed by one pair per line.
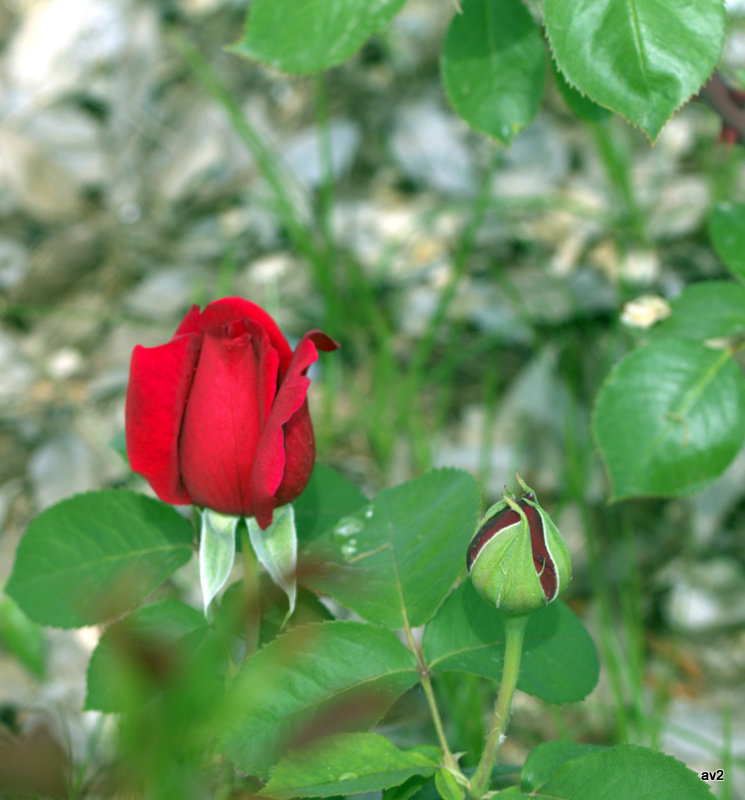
x,y
218,416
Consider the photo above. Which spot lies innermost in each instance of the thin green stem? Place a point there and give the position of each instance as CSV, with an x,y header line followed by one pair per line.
x,y
615,156
727,753
411,415
268,161
447,757
614,659
460,262
513,648
327,262
252,595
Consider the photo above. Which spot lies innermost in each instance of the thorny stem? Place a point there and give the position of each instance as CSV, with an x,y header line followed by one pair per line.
x,y
515,632
718,95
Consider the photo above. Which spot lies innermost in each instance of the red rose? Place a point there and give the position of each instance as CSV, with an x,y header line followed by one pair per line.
x,y
218,416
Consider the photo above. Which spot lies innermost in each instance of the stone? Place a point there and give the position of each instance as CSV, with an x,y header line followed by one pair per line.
x,y
164,294
428,145
14,263
62,466
302,154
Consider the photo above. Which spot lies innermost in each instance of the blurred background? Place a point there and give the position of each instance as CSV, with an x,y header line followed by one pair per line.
x,y
477,293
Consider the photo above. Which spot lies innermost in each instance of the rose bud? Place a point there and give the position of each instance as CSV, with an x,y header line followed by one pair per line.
x,y
518,560
218,416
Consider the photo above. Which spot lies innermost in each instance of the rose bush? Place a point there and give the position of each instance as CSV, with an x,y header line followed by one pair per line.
x,y
218,416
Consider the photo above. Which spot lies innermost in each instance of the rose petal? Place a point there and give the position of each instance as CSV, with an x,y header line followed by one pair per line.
x,y
233,389
300,455
269,463
159,383
190,323
228,309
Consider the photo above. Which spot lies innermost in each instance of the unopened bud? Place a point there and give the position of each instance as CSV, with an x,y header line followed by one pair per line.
x,y
518,560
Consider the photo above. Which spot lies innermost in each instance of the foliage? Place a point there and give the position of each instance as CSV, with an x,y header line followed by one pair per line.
x,y
641,59
296,711
295,714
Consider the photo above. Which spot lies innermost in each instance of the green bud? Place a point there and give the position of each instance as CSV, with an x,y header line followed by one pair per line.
x,y
518,560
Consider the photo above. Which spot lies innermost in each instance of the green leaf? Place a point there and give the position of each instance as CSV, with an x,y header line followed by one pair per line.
x,y
545,760
620,773
95,556
559,663
493,66
276,550
414,786
727,231
329,676
579,104
398,558
706,310
346,763
669,418
216,553
309,35
136,656
640,58
22,637
327,498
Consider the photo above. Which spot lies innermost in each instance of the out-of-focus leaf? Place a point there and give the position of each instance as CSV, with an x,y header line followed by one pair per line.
x,y
309,35
670,418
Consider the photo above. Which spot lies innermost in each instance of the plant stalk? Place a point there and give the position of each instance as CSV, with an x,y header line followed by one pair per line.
x,y
252,598
513,648
447,757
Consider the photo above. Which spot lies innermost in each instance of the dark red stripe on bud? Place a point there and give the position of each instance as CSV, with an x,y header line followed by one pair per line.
x,y
542,561
490,528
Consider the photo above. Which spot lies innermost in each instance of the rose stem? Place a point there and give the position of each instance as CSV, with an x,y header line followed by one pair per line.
x,y
515,631
251,597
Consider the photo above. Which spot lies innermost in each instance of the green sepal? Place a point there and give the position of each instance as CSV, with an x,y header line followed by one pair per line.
x,y
216,553
276,550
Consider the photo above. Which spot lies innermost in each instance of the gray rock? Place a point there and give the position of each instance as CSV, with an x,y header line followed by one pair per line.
x,y
711,506
55,50
707,596
14,263
681,208
164,294
694,732
73,139
429,147
201,150
33,181
18,374
60,263
302,154
536,162
61,467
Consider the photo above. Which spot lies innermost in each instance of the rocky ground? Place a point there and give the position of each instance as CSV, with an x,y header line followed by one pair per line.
x,y
126,195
